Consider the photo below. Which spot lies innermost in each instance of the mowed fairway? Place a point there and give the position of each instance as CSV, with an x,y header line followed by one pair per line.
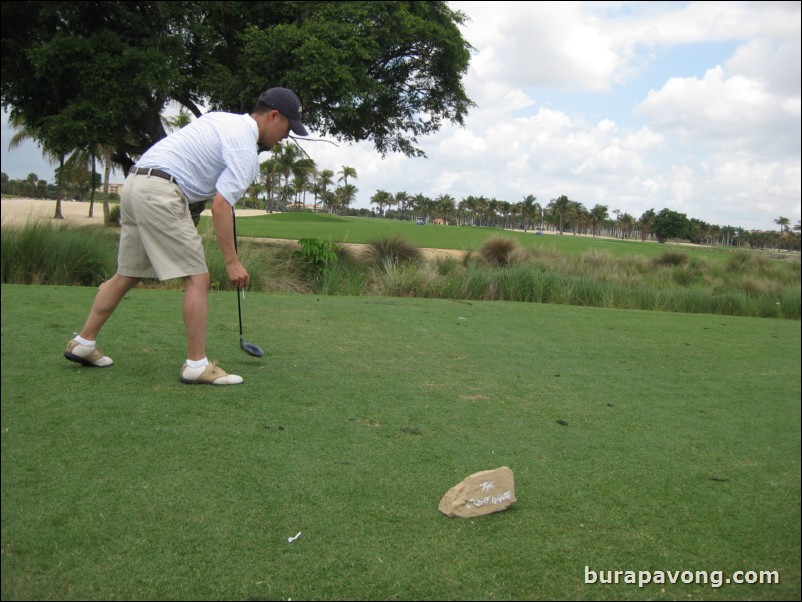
x,y
463,238
677,449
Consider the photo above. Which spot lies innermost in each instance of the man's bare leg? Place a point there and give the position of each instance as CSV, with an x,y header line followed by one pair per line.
x,y
196,313
106,301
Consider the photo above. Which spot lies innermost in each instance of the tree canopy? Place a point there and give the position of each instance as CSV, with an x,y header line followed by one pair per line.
x,y
670,224
84,74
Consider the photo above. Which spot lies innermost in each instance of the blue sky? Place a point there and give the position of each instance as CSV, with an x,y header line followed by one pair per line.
x,y
693,106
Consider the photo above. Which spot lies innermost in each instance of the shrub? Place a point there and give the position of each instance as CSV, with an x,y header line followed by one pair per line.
x,y
497,250
317,254
393,249
743,261
114,216
670,258
596,258
685,275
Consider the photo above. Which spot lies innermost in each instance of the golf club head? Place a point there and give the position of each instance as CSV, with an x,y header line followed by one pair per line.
x,y
251,349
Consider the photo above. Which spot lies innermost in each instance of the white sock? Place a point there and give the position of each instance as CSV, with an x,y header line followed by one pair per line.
x,y
195,364
84,342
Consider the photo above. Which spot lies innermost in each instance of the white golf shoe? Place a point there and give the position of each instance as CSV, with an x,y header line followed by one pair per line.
x,y
88,356
211,374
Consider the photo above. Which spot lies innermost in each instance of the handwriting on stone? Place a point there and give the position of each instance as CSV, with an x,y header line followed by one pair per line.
x,y
481,493
489,499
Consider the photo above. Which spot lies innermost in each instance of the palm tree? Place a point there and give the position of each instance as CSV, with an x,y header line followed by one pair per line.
x,y
330,201
402,199
32,180
505,209
251,197
446,206
318,191
579,217
271,179
289,163
88,159
176,123
530,209
51,155
420,204
345,195
627,223
646,223
560,208
483,211
105,153
322,183
382,198
468,210
597,215
784,224
302,171
345,173
81,168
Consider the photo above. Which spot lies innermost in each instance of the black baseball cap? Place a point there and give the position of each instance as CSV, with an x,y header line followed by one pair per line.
x,y
286,102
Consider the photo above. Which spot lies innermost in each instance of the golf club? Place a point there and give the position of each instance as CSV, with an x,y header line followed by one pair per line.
x,y
249,348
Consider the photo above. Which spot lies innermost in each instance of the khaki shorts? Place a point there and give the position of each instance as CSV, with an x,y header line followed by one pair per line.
x,y
158,238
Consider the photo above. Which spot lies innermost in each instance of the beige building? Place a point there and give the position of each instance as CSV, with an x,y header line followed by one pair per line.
x,y
113,188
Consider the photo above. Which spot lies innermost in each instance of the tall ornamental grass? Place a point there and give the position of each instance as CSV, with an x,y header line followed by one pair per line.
x,y
45,252
743,283
54,253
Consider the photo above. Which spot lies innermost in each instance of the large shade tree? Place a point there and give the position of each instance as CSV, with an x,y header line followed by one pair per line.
x,y
102,73
670,224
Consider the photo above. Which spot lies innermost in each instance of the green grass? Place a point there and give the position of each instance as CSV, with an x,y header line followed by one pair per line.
x,y
464,238
681,450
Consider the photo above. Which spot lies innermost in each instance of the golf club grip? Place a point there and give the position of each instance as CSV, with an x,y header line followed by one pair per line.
x,y
234,222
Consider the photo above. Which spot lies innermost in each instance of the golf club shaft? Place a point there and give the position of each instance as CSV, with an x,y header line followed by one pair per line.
x,y
249,348
236,250
239,313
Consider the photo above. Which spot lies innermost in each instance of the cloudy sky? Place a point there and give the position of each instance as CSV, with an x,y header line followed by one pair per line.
x,y
691,106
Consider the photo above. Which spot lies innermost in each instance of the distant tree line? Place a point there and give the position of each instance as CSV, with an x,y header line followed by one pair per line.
x,y
290,181
77,187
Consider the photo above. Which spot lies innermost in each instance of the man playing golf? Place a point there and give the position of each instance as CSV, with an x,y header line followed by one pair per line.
x,y
216,157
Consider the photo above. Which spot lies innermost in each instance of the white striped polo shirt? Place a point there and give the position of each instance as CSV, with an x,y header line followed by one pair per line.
x,y
215,153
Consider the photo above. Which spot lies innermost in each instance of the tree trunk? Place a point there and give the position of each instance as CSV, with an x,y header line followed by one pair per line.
x,y
60,190
92,190
106,173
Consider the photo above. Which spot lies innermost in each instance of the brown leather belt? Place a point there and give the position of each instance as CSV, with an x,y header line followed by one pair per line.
x,y
148,171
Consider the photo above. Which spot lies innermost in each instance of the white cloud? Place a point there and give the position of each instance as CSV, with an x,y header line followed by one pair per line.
x,y
716,111
775,63
539,44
